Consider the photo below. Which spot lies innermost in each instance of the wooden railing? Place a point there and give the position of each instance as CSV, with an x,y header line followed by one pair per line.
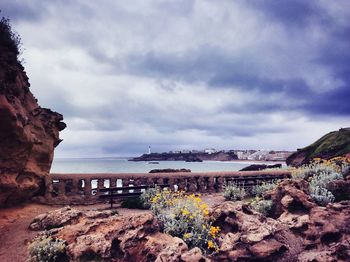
x,y
83,188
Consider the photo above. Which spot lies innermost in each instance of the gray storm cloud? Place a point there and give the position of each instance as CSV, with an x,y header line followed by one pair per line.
x,y
187,74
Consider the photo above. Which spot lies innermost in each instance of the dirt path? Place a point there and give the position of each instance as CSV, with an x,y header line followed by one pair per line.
x,y
14,222
14,233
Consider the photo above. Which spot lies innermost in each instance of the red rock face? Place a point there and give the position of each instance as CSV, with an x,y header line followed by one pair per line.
x,y
28,134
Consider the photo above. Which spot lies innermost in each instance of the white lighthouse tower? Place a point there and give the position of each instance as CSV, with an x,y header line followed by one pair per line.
x,y
149,150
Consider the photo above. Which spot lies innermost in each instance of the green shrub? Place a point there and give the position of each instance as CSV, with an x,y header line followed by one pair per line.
x,y
318,187
321,195
134,202
260,189
8,37
186,217
47,249
318,166
323,179
234,192
147,195
262,206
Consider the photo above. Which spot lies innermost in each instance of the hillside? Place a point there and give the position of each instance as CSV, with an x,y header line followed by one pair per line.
x,y
336,143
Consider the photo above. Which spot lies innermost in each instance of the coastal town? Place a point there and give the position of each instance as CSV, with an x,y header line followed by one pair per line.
x,y
214,155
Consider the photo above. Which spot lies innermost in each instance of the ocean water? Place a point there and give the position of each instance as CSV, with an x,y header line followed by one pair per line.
x,y
114,165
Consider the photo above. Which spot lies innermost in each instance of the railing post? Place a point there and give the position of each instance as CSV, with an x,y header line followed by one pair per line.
x,y
181,183
202,184
75,187
49,187
113,182
87,188
192,184
171,183
61,188
211,184
219,183
100,183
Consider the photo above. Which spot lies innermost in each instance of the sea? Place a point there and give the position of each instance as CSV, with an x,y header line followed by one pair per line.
x,y
117,165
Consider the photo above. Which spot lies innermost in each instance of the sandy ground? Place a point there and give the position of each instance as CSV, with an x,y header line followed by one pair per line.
x,y
14,222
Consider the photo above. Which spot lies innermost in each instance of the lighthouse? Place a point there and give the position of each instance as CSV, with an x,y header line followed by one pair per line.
x,y
149,150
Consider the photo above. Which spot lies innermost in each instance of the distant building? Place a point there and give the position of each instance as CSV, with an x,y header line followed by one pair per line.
x,y
240,154
149,150
210,151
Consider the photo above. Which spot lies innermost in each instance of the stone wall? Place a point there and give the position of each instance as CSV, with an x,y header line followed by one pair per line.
x,y
84,188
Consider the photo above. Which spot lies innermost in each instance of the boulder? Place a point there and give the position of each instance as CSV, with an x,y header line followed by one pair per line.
x,y
254,167
194,255
170,170
28,132
257,167
247,235
267,248
328,226
54,219
340,189
291,196
104,235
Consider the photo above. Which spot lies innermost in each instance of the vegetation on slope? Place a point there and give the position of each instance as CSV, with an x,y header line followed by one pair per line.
x,y
331,145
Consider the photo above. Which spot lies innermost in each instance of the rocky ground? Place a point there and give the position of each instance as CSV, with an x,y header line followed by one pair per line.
x,y
296,230
14,224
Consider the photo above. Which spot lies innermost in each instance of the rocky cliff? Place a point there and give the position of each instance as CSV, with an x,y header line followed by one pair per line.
x,y
331,145
28,132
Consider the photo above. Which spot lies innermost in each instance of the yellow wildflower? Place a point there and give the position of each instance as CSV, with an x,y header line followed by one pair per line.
x,y
210,244
187,235
214,231
185,212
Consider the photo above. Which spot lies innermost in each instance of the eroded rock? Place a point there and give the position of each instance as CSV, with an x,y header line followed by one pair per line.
x,y
291,196
28,132
106,235
247,235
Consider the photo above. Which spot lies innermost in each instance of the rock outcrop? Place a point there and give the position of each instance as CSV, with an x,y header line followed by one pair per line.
x,y
28,132
96,235
257,167
170,170
331,145
248,236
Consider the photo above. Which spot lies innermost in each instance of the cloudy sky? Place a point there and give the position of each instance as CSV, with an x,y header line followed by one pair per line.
x,y
187,74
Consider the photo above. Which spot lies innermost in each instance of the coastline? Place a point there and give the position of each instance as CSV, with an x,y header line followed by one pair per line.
x,y
99,165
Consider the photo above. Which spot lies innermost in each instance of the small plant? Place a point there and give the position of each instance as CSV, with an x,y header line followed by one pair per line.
x,y
186,217
147,195
318,187
260,189
323,179
262,206
234,192
321,195
45,248
318,166
134,202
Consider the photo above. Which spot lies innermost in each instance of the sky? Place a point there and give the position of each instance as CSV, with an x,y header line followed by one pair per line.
x,y
187,74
